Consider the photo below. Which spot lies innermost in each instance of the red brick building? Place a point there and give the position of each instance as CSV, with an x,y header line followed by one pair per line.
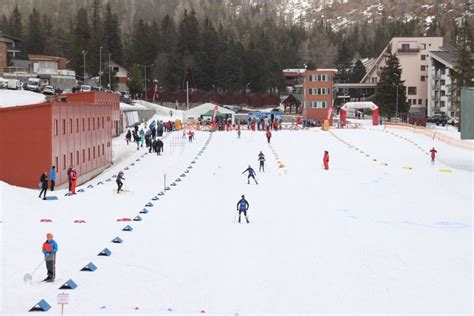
x,y
75,129
318,93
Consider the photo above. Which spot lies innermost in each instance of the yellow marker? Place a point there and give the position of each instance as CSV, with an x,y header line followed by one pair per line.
x,y
445,170
407,168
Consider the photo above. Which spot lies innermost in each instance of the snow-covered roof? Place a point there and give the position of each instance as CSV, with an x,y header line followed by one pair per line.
x,y
9,98
203,108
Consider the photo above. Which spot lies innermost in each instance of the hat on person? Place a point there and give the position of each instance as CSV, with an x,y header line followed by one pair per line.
x,y
49,235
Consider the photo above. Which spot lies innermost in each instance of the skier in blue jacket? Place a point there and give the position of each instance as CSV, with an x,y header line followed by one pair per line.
x,y
50,247
52,177
251,174
242,207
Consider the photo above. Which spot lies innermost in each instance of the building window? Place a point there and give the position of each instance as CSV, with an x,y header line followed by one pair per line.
x,y
98,150
423,46
70,126
88,154
77,125
420,101
93,152
64,126
411,90
93,123
405,47
98,122
70,159
103,122
103,151
442,82
56,128
77,157
64,162
422,67
318,104
83,155
423,57
88,123
57,162
422,78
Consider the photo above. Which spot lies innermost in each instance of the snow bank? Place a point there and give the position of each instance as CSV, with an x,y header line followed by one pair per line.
x,y
10,98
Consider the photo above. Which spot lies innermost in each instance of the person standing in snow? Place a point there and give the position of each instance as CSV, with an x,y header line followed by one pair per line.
x,y
73,181
242,207
128,137
433,155
136,138
326,160
69,176
50,247
269,135
142,136
190,136
261,159
159,146
250,175
119,181
52,177
44,185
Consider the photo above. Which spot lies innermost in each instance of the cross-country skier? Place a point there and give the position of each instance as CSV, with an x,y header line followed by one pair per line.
x,y
242,207
50,247
269,135
433,155
326,160
261,159
119,181
251,174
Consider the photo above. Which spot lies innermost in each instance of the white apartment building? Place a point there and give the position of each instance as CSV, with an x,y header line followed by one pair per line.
x,y
413,53
441,66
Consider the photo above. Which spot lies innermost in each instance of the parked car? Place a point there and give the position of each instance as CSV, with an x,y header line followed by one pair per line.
x,y
3,83
86,88
438,119
14,84
395,119
58,90
49,90
33,84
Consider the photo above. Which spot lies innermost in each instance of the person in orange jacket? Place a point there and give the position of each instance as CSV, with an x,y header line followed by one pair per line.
x,y
326,160
73,181
433,155
269,135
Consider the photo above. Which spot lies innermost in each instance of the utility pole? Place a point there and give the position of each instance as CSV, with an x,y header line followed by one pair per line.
x,y
100,67
145,66
84,53
187,96
110,73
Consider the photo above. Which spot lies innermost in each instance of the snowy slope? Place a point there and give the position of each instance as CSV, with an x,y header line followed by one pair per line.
x,y
363,237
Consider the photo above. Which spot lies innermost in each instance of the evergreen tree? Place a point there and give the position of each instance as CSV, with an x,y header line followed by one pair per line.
x,y
4,25
113,78
168,35
112,35
34,41
205,74
170,76
256,70
48,34
229,68
391,88
143,49
15,28
343,62
96,40
80,42
188,37
358,72
135,80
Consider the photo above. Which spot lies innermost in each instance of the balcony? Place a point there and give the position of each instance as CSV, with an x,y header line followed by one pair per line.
x,y
408,50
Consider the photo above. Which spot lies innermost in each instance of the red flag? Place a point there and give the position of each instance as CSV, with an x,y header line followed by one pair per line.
x,y
330,110
214,115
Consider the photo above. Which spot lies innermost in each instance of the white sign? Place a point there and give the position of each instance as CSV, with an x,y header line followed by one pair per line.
x,y
63,298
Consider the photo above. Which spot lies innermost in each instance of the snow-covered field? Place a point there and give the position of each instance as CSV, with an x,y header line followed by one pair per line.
x,y
370,235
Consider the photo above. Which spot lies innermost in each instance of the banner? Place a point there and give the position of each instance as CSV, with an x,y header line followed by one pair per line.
x,y
216,108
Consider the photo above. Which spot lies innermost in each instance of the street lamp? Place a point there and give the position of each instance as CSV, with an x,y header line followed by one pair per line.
x,y
247,88
100,67
84,53
145,67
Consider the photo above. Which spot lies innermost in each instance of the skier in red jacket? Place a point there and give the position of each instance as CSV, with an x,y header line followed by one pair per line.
x,y
326,160
269,135
73,181
433,155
